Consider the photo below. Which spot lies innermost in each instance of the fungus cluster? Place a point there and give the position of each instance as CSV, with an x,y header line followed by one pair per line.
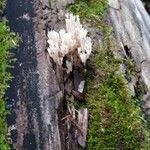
x,y
72,41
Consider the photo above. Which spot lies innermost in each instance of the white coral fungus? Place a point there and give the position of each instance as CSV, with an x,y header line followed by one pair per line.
x,y
73,40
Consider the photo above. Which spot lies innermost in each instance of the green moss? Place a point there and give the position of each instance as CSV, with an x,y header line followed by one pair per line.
x,y
6,42
115,120
2,5
88,8
130,66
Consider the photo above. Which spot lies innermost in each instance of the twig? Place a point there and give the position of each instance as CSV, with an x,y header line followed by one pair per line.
x,y
66,117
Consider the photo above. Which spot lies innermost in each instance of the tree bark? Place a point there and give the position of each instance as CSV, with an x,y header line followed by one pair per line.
x,y
37,87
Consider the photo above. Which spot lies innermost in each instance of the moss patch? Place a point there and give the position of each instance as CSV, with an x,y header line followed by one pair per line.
x,y
115,120
88,8
6,42
2,5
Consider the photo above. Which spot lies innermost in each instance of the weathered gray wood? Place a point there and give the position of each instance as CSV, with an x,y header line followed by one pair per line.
x,y
38,86
131,25
83,125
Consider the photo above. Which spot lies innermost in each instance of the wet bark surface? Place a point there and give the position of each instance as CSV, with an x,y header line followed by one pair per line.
x,y
35,96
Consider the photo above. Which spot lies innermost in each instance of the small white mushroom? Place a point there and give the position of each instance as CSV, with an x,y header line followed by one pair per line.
x,y
74,39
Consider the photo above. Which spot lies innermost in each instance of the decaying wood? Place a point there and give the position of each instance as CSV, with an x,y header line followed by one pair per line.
x,y
131,26
38,86
78,96
78,121
38,121
83,124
